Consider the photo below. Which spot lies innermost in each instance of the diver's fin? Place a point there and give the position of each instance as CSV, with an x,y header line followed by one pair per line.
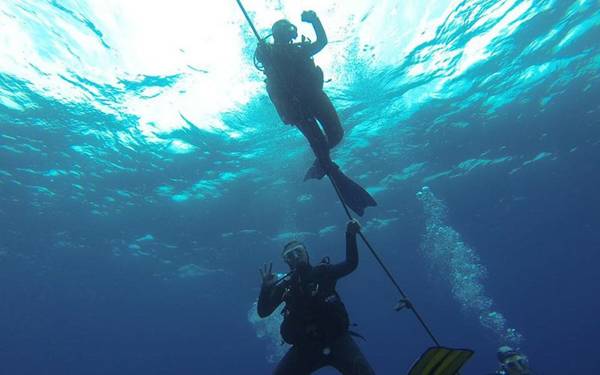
x,y
352,193
315,171
438,360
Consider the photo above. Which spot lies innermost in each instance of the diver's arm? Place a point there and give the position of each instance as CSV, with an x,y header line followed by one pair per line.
x,y
262,52
347,266
270,297
321,41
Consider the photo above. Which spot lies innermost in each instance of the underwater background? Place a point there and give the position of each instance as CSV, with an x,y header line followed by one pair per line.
x,y
145,177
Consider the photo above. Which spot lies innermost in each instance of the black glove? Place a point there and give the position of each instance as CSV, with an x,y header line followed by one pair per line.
x,y
309,16
353,227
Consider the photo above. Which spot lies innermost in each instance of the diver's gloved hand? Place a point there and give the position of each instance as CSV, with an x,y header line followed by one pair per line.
x,y
309,16
353,227
267,276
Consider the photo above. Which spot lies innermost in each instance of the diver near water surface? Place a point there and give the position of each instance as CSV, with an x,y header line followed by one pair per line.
x,y
315,320
295,86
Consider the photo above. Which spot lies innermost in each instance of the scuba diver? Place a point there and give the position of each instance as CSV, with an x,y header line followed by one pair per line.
x,y
512,362
315,320
295,86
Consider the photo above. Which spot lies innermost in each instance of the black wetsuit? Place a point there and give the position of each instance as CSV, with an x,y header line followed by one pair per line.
x,y
295,86
315,319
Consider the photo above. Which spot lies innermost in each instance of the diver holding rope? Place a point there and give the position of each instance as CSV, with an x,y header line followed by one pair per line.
x,y
295,87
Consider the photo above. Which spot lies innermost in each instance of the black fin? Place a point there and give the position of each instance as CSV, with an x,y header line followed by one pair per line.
x,y
315,171
352,193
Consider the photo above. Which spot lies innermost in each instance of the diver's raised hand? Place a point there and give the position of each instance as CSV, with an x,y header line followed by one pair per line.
x,y
353,227
309,16
267,276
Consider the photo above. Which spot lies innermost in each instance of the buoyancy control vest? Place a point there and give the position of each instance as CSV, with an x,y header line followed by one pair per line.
x,y
290,66
313,309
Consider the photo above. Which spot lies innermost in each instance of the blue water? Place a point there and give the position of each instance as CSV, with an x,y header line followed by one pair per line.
x,y
145,176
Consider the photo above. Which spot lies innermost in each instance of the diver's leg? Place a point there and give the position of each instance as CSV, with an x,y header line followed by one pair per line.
x,y
292,363
329,119
287,111
318,143
351,193
300,362
347,358
316,139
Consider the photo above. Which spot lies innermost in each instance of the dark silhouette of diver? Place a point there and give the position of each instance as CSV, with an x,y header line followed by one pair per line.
x,y
295,86
315,320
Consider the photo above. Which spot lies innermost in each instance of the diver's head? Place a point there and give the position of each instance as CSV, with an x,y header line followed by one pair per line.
x,y
295,255
513,362
284,32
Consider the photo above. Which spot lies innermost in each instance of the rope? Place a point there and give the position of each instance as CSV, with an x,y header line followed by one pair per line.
x,y
384,267
249,21
405,299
